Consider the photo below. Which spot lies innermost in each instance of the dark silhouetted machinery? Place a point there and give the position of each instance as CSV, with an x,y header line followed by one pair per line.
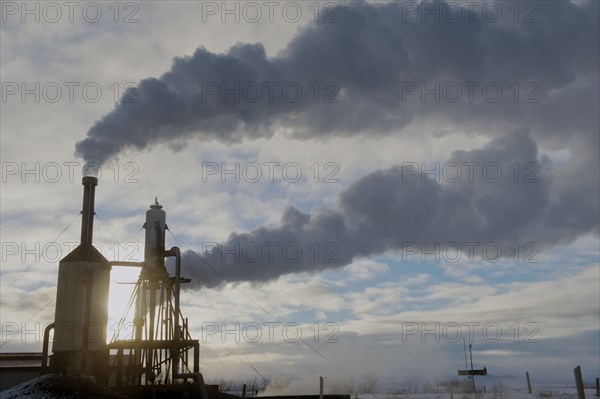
x,y
158,344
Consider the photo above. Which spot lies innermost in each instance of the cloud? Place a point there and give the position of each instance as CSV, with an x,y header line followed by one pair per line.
x,y
371,62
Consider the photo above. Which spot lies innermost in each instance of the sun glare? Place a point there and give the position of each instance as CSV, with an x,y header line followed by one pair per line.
x,y
122,284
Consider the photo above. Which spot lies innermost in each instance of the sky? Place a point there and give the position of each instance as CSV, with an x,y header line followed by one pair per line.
x,y
355,186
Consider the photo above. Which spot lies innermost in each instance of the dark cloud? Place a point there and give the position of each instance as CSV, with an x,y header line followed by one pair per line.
x,y
371,55
394,209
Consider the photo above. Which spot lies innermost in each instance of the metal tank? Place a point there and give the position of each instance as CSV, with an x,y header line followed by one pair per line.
x,y
154,250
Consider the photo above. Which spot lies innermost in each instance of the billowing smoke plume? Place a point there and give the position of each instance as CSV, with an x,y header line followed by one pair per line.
x,y
398,210
376,70
364,74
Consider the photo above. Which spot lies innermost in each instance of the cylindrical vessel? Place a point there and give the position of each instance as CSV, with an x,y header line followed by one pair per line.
x,y
81,315
154,250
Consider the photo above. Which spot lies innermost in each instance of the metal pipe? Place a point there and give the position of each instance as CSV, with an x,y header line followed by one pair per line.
x,y
176,252
44,368
120,263
197,358
175,352
87,223
196,376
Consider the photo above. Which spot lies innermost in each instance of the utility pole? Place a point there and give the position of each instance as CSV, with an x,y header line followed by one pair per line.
x,y
465,348
472,373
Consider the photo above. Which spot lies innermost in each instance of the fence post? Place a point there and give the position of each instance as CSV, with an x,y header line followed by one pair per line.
x,y
579,382
321,388
528,382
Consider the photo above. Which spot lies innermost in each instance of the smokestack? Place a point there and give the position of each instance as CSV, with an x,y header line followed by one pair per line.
x,y
81,313
87,222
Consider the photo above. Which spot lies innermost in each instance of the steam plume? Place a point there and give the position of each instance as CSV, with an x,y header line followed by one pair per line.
x,y
368,63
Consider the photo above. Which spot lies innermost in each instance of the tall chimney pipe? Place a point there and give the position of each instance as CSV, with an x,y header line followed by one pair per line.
x,y
87,223
81,302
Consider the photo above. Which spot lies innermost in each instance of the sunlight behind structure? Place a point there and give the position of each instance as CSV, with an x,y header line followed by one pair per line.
x,y
122,284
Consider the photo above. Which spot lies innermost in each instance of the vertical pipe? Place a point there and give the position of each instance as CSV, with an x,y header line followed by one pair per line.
x,y
87,223
244,391
163,311
177,253
579,382
177,329
196,357
528,382
44,368
143,353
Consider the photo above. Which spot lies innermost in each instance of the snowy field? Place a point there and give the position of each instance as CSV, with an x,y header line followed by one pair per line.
x,y
451,387
487,387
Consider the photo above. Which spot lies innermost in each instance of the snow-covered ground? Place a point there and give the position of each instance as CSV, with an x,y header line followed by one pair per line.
x,y
487,387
